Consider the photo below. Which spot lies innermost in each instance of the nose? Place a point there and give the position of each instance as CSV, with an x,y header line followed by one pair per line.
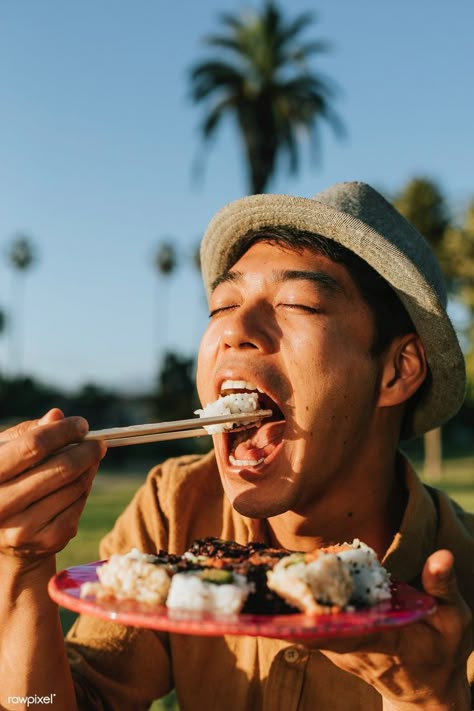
x,y
251,327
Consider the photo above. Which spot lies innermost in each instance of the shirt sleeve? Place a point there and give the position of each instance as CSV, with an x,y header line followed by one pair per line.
x,y
116,667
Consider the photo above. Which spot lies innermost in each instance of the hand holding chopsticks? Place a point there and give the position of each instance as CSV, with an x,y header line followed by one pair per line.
x,y
161,431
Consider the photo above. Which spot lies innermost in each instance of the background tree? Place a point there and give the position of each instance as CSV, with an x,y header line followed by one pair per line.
x,y
196,257
21,256
176,399
24,397
98,404
457,254
165,263
3,323
176,393
422,202
261,76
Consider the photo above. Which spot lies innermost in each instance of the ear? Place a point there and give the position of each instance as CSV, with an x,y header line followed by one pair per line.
x,y
404,369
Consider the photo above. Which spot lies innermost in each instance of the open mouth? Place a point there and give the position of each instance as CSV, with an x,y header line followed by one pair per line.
x,y
251,445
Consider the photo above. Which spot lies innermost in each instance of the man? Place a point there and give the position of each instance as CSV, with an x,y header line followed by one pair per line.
x,y
334,307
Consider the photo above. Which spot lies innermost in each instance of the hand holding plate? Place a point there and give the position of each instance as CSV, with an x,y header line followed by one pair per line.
x,y
422,665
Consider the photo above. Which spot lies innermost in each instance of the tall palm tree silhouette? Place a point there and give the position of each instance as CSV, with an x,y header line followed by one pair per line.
x,y
261,76
21,255
165,263
3,322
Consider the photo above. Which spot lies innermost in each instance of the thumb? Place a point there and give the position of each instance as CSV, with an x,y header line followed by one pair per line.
x,y
439,578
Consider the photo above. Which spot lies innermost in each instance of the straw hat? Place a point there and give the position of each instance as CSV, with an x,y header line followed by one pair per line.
x,y
359,218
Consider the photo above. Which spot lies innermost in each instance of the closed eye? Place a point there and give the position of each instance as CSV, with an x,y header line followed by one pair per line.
x,y
302,307
222,309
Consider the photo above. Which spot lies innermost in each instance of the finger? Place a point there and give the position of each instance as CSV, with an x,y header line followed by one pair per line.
x,y
20,492
37,443
59,502
22,427
63,528
52,520
439,578
52,415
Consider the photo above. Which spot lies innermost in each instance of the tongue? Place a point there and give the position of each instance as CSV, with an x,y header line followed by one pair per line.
x,y
261,444
245,450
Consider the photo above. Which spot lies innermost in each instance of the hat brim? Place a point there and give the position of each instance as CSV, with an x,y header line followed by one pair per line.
x,y
445,394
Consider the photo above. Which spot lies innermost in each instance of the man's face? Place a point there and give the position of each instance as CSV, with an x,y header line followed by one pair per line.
x,y
294,325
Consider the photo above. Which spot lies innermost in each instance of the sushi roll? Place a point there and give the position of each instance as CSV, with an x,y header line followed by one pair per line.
x,y
371,580
331,579
218,591
313,584
133,576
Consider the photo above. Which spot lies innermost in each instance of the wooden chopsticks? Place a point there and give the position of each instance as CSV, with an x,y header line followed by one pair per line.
x,y
161,431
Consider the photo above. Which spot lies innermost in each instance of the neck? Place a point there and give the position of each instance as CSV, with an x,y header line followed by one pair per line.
x,y
368,506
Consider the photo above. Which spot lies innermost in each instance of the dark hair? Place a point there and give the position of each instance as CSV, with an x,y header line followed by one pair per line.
x,y
391,319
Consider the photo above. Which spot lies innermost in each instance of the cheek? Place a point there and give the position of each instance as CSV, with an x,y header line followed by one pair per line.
x,y
308,358
345,403
205,364
333,374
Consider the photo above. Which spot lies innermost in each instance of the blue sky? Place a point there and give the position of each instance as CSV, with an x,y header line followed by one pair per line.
x,y
98,138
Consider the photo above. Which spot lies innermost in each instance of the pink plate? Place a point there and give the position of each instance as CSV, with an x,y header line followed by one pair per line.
x,y
407,605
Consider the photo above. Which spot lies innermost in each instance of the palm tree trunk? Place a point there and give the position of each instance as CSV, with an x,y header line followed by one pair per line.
x,y
433,461
15,354
161,318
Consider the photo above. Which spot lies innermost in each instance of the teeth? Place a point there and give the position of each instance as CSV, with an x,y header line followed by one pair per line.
x,y
239,385
245,462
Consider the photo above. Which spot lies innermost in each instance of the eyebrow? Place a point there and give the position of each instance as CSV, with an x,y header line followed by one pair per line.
x,y
321,279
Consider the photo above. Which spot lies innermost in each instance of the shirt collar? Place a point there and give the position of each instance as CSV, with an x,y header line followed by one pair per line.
x,y
415,540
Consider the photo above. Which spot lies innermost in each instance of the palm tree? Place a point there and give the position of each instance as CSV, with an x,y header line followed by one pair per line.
x,y
3,322
21,256
165,258
165,262
263,79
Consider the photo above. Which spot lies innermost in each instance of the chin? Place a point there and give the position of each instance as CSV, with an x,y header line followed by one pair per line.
x,y
253,509
257,501
259,491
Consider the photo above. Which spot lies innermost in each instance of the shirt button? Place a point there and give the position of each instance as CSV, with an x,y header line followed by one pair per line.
x,y
291,655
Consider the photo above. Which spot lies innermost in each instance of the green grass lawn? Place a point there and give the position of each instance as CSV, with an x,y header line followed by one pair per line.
x,y
458,481
112,491
110,494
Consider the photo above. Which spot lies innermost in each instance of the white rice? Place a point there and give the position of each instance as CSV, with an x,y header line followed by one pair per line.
x,y
232,404
189,592
371,580
132,576
323,581
330,581
341,578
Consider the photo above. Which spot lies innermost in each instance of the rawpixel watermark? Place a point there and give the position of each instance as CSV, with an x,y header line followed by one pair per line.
x,y
30,700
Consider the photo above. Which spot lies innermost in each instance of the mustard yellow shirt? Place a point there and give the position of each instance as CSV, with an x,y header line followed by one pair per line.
x,y
124,668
